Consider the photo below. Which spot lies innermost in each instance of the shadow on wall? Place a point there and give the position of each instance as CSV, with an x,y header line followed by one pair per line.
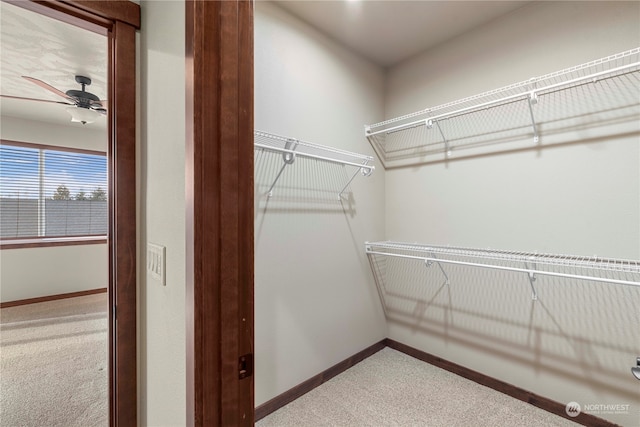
x,y
606,107
302,186
584,331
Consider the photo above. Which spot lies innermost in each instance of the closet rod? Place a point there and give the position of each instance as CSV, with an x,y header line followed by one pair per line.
x,y
366,169
500,267
523,96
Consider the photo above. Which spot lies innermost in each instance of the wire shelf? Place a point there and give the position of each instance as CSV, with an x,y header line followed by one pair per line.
x,y
587,94
607,270
290,149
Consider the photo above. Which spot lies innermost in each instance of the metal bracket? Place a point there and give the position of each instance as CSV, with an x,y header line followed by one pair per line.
x,y
532,278
447,148
288,157
365,170
636,369
429,263
367,130
533,99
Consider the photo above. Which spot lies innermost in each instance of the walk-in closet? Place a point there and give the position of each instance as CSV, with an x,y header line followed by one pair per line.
x,y
471,208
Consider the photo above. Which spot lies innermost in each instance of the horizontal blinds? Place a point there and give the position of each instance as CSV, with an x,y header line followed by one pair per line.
x,y
52,193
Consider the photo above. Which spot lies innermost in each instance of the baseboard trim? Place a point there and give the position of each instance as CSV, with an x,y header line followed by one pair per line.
x,y
510,390
315,381
51,297
498,385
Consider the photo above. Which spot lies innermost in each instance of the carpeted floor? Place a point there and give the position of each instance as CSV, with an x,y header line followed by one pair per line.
x,y
393,389
53,363
53,372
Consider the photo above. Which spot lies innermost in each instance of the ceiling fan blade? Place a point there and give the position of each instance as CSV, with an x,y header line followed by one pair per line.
x,y
47,87
35,99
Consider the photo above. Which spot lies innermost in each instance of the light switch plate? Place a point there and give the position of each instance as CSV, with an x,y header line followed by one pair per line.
x,y
156,262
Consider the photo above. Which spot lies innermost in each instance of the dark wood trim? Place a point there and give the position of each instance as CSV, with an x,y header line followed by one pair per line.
x,y
498,385
315,381
93,15
123,238
245,193
51,147
219,216
51,242
52,297
124,11
66,13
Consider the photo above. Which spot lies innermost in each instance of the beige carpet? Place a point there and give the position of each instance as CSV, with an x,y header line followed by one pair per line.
x,y
53,363
393,389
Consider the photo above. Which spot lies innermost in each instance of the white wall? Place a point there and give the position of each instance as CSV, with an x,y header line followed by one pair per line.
x,y
38,272
58,271
579,340
162,213
75,136
315,299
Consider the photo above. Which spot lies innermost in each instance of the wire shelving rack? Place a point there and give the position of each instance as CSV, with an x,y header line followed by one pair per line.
x,y
606,270
600,90
290,149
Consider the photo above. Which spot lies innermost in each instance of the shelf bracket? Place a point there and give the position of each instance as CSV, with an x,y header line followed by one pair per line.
x,y
532,278
429,263
365,170
533,99
447,148
288,158
636,370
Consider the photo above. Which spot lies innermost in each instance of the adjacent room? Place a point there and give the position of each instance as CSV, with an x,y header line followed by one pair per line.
x,y
54,223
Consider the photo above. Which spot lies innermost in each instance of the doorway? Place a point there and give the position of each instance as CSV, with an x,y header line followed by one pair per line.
x,y
118,21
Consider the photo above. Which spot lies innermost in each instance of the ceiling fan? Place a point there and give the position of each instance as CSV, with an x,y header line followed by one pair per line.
x,y
85,106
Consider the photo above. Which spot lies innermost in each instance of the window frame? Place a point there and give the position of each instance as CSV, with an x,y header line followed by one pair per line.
x,y
52,241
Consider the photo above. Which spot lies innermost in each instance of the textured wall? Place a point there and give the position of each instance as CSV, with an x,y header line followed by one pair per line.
x,y
162,213
582,197
315,299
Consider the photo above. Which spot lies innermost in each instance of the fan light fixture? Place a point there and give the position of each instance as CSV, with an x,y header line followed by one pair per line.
x,y
82,115
85,107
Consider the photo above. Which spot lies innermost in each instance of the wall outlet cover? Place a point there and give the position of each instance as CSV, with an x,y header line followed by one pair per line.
x,y
156,265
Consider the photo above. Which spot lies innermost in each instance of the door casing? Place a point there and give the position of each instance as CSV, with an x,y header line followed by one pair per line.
x,y
220,216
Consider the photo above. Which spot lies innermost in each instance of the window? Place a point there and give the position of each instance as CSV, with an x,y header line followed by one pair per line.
x,y
51,192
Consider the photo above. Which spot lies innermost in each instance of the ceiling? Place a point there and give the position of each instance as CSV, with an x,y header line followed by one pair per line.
x,y
388,32
54,52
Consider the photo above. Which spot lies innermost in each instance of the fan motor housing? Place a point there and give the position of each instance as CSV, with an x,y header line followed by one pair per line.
x,y
85,99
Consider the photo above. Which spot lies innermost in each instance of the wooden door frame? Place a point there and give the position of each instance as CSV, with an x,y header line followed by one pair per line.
x,y
219,217
118,20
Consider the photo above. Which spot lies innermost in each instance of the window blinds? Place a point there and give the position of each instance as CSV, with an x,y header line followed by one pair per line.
x,y
46,192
